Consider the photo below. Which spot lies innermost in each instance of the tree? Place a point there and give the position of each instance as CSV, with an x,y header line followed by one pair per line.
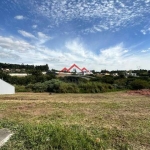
x,y
108,79
36,72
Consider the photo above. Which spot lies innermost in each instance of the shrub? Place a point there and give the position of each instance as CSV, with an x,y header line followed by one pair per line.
x,y
68,88
108,79
53,85
22,88
94,87
139,84
120,83
39,87
57,86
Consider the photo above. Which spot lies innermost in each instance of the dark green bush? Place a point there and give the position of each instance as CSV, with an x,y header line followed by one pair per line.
x,y
58,86
39,87
53,85
108,79
139,84
120,83
94,87
68,88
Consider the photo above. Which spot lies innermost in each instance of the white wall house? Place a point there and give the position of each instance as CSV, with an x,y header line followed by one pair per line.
x,y
6,88
18,74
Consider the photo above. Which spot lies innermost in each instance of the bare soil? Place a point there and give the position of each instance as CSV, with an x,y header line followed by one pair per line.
x,y
145,92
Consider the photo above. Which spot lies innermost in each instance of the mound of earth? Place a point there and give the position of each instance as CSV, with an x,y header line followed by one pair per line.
x,y
141,92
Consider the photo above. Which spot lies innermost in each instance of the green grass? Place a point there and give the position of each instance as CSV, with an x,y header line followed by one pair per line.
x,y
59,137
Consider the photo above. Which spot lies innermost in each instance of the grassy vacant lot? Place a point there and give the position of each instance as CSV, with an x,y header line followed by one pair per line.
x,y
76,121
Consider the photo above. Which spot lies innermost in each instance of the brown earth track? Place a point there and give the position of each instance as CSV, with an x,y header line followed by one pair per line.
x,y
145,92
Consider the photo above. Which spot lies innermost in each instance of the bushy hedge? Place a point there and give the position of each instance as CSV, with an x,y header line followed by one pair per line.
x,y
94,87
60,86
47,86
139,84
57,86
132,83
68,88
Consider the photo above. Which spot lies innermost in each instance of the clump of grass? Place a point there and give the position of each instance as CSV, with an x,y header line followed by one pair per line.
x,y
54,136
49,136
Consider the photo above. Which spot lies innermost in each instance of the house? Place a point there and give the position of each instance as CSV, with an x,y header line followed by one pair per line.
x,y
107,74
6,88
18,74
129,73
115,74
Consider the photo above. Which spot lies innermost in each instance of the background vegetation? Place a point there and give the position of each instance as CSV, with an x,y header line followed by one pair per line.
x,y
98,82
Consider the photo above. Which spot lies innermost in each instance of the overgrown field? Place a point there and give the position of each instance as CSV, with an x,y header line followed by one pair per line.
x,y
39,121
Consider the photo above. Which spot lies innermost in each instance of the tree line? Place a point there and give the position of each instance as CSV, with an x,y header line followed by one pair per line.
x,y
22,66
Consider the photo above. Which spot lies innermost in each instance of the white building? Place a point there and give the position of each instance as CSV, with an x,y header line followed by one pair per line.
x,y
6,88
18,74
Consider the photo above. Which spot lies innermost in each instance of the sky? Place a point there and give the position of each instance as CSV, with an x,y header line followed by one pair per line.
x,y
96,34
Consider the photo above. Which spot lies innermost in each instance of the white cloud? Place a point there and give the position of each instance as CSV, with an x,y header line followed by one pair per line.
x,y
111,14
7,55
77,48
12,49
74,51
34,26
12,43
146,30
19,17
143,31
43,37
112,57
40,37
97,28
143,51
146,50
147,1
113,52
26,34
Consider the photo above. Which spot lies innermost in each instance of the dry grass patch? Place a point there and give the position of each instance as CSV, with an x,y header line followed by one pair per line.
x,y
117,111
